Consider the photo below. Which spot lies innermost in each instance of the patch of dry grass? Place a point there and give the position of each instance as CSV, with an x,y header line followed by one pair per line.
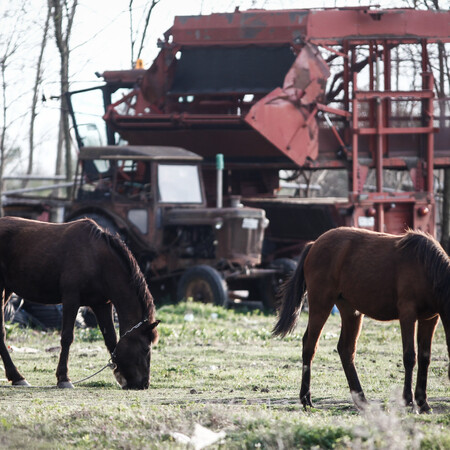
x,y
225,372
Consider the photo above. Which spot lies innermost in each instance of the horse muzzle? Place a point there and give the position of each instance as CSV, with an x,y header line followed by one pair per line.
x,y
136,386
131,385
120,379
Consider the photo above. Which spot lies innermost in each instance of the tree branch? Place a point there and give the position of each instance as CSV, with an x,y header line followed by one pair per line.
x,y
147,20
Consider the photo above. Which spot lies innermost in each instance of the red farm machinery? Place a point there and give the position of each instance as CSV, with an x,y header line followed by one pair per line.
x,y
348,90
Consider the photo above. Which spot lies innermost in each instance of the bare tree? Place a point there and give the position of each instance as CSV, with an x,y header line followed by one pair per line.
x,y
3,66
63,14
36,86
135,34
10,44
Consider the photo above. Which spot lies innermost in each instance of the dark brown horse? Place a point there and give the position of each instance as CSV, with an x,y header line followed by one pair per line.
x,y
79,264
382,276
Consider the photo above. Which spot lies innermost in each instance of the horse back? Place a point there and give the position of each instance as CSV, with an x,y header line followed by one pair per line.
x,y
369,271
24,238
37,259
345,249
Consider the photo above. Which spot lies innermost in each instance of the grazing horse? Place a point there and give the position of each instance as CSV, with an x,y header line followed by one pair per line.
x,y
382,276
79,264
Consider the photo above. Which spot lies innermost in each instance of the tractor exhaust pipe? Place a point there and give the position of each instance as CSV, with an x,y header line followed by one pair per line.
x,y
219,167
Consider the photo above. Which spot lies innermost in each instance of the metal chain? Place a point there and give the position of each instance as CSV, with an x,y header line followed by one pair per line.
x,y
134,328
54,386
113,354
110,364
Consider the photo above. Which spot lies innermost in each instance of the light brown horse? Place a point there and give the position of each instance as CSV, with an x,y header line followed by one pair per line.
x,y
382,276
79,264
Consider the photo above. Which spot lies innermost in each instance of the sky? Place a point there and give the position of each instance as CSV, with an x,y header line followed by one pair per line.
x,y
101,41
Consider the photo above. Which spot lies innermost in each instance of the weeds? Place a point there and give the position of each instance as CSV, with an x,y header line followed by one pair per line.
x,y
222,369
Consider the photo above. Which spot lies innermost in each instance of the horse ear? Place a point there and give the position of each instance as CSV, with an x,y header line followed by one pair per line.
x,y
154,324
151,332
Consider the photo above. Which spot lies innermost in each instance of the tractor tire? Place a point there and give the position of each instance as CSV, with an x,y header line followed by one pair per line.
x,y
270,286
285,266
203,284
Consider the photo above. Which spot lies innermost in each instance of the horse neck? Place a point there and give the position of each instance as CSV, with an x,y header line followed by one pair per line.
x,y
125,290
445,319
130,309
129,315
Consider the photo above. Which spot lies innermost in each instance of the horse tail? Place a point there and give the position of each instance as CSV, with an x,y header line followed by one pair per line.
x,y
292,297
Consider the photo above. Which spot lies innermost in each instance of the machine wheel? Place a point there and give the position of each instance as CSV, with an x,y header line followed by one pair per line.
x,y
271,285
203,284
285,266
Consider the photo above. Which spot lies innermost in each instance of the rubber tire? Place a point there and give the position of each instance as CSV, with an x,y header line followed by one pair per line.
x,y
285,265
271,285
204,284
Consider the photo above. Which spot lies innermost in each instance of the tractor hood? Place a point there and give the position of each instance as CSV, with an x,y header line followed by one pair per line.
x,y
248,217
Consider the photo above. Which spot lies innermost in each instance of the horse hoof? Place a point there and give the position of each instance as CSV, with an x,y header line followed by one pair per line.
x,y
425,409
65,385
359,399
306,402
21,383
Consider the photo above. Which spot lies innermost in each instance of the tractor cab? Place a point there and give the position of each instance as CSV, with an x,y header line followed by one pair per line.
x,y
154,198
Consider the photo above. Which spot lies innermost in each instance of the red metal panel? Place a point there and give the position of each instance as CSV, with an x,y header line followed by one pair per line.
x,y
329,26
292,129
332,26
306,80
241,27
286,117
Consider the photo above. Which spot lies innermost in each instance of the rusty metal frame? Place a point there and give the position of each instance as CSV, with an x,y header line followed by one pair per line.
x,y
341,32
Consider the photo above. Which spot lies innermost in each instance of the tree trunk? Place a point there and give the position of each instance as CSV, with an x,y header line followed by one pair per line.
x,y
62,12
2,131
65,114
34,102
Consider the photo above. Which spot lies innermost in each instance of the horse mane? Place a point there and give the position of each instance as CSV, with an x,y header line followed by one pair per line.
x,y
138,281
435,260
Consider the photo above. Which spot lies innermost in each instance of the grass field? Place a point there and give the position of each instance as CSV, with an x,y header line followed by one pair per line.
x,y
224,371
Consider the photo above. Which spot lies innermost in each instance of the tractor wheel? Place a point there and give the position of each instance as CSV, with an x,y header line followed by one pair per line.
x,y
271,285
285,266
203,284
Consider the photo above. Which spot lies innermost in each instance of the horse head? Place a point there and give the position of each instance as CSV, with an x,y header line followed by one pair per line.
x,y
446,322
444,312
132,355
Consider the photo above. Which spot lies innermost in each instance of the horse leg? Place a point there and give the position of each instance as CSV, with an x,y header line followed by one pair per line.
x,y
11,371
104,314
70,310
408,328
311,337
351,328
425,332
